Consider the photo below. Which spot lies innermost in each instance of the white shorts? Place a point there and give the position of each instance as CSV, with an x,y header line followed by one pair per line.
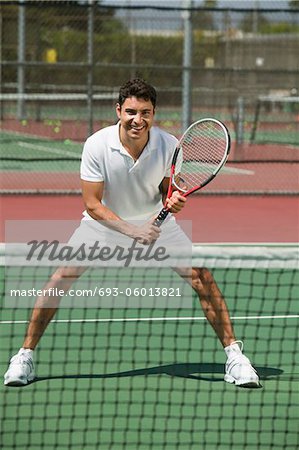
x,y
173,247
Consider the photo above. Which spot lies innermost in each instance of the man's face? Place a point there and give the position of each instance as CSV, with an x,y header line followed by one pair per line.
x,y
136,117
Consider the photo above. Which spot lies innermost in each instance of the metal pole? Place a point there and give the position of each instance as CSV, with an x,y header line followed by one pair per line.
x,y
240,121
131,23
21,60
255,18
90,61
187,65
1,40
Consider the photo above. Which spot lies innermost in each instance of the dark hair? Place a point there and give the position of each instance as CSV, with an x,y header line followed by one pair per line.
x,y
137,88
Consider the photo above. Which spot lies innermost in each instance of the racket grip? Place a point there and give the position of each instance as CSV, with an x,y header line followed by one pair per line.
x,y
161,217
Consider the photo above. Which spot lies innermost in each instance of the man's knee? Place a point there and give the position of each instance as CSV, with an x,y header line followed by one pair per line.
x,y
64,274
203,274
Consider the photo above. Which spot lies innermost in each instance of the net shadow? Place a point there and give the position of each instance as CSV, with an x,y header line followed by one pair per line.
x,y
212,372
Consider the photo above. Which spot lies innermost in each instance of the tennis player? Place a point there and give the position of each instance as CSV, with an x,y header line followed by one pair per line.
x,y
125,175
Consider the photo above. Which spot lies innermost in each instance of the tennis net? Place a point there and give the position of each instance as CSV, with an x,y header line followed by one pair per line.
x,y
150,374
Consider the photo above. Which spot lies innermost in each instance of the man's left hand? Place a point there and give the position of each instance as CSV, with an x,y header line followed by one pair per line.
x,y
176,202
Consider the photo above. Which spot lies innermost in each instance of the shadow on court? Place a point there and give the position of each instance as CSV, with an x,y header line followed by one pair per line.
x,y
198,371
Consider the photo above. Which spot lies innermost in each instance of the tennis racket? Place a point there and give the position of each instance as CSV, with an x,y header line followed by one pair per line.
x,y
200,154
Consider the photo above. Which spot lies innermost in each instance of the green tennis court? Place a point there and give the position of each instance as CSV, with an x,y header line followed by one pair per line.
x,y
21,152
124,377
30,164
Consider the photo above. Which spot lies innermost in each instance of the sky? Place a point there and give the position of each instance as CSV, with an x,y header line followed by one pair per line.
x,y
146,19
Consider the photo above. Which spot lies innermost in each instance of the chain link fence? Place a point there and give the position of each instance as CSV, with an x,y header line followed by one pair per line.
x,y
62,66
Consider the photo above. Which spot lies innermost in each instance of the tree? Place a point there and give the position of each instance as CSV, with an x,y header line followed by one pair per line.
x,y
254,22
203,19
294,4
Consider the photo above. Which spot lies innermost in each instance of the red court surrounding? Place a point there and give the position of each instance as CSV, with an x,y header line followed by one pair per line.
x,y
214,218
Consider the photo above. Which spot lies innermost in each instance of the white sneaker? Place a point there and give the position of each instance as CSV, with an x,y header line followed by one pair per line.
x,y
21,369
238,369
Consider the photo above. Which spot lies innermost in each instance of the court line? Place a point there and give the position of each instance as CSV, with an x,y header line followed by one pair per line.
x,y
227,170
152,319
43,148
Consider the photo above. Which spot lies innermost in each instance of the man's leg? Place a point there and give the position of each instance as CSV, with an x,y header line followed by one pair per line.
x,y
21,368
46,306
238,367
213,305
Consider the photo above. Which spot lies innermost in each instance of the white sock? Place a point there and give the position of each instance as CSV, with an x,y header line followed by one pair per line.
x,y
233,349
28,351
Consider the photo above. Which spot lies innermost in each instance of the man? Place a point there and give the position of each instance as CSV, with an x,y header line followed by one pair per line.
x,y
125,175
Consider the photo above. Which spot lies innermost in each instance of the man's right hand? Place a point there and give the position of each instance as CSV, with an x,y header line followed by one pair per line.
x,y
146,234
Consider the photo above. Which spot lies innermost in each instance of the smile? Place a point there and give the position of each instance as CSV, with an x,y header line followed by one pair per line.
x,y
137,128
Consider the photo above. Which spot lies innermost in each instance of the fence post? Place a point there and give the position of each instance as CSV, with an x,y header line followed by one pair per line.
x,y
90,62
187,65
21,59
1,58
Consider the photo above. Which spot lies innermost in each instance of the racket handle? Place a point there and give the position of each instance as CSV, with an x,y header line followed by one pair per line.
x,y
161,217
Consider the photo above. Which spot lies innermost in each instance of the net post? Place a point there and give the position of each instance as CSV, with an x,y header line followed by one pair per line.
x,y
240,120
239,128
256,118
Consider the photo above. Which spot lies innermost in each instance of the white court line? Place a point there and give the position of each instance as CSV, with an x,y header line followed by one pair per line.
x,y
151,319
43,148
234,170
225,170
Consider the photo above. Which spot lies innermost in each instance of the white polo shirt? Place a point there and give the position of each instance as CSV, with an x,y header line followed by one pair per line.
x,y
131,188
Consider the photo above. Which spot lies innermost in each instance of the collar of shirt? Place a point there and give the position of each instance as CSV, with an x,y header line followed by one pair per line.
x,y
115,144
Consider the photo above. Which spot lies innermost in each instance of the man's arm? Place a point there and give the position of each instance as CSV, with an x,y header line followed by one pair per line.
x,y
92,193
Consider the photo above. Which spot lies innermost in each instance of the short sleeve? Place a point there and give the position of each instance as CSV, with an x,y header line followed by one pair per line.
x,y
91,169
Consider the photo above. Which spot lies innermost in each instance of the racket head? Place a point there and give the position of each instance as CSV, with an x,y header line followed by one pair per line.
x,y
201,153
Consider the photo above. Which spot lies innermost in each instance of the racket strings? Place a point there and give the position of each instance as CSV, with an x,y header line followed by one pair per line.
x,y
203,148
